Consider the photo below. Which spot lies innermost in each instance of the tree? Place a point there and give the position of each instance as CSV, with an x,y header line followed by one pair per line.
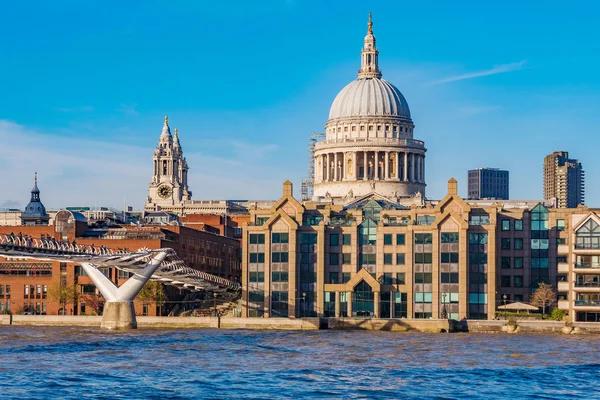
x,y
93,301
153,291
64,293
543,297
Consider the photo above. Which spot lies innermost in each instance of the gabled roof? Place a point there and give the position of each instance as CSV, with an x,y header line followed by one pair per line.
x,y
374,199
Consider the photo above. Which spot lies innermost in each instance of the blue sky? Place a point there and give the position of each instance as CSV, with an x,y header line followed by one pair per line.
x,y
85,87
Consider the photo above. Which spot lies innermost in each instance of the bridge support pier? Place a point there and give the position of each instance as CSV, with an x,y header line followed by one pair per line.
x,y
119,313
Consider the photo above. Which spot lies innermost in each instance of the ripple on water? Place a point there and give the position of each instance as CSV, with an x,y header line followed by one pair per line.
x,y
72,363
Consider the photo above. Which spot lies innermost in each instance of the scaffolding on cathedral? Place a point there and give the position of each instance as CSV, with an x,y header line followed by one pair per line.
x,y
307,183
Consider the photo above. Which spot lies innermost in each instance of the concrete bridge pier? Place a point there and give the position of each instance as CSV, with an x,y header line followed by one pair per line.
x,y
119,313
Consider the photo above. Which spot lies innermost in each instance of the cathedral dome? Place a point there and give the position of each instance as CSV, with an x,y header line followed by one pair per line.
x,y
369,97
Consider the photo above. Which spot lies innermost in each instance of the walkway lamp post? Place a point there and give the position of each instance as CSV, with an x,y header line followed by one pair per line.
x,y
303,304
444,312
504,300
215,302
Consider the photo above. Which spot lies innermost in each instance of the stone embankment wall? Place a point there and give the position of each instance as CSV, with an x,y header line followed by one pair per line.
x,y
167,322
399,325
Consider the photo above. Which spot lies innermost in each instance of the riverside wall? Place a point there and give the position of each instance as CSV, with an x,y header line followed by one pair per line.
x,y
372,324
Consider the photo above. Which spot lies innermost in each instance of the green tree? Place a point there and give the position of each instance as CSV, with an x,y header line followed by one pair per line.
x,y
64,293
543,297
153,291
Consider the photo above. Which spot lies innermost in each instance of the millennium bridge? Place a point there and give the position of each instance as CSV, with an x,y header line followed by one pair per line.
x,y
162,265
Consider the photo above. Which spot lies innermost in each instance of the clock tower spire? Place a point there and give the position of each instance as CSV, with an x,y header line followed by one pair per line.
x,y
168,189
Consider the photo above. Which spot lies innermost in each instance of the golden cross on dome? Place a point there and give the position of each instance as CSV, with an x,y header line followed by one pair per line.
x,y
370,23
166,120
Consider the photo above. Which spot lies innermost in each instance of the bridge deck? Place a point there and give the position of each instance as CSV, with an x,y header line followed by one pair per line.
x,y
173,270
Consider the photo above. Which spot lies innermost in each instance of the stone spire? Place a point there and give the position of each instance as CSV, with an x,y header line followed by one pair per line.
x,y
369,55
176,143
166,131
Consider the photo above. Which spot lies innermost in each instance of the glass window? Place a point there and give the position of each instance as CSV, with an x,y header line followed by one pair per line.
x,y
334,259
518,244
368,232
423,297
505,262
449,277
346,277
478,238
505,281
346,257
449,237
423,238
400,259
400,239
346,239
256,238
400,278
518,225
308,238
387,258
367,259
425,219
256,296
505,244
333,277
280,238
423,258
506,224
422,277
387,239
387,278
560,224
261,220
282,257
334,239
518,282
479,220
449,257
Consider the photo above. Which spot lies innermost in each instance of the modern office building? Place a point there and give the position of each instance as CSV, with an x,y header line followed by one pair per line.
x,y
564,180
375,257
488,183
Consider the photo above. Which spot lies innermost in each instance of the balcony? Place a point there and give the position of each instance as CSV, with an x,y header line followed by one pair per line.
x,y
563,268
588,265
593,284
587,303
563,286
367,142
563,304
563,249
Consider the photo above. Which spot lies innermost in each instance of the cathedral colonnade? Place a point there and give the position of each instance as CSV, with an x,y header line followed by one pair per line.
x,y
372,165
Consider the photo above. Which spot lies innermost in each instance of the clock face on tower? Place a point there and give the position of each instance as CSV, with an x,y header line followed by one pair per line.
x,y
164,191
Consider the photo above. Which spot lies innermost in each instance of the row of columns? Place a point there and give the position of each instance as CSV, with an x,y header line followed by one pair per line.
x,y
377,165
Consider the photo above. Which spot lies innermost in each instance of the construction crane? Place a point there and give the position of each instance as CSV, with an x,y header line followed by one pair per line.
x,y
307,183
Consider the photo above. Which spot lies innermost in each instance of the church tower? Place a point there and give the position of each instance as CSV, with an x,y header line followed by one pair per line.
x,y
168,189
35,212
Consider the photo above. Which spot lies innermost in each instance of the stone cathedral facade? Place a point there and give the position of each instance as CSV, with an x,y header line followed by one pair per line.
x,y
369,145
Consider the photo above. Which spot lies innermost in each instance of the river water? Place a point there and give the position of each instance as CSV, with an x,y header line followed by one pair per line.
x,y
74,363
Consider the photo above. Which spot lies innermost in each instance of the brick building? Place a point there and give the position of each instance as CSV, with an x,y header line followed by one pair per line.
x,y
24,284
